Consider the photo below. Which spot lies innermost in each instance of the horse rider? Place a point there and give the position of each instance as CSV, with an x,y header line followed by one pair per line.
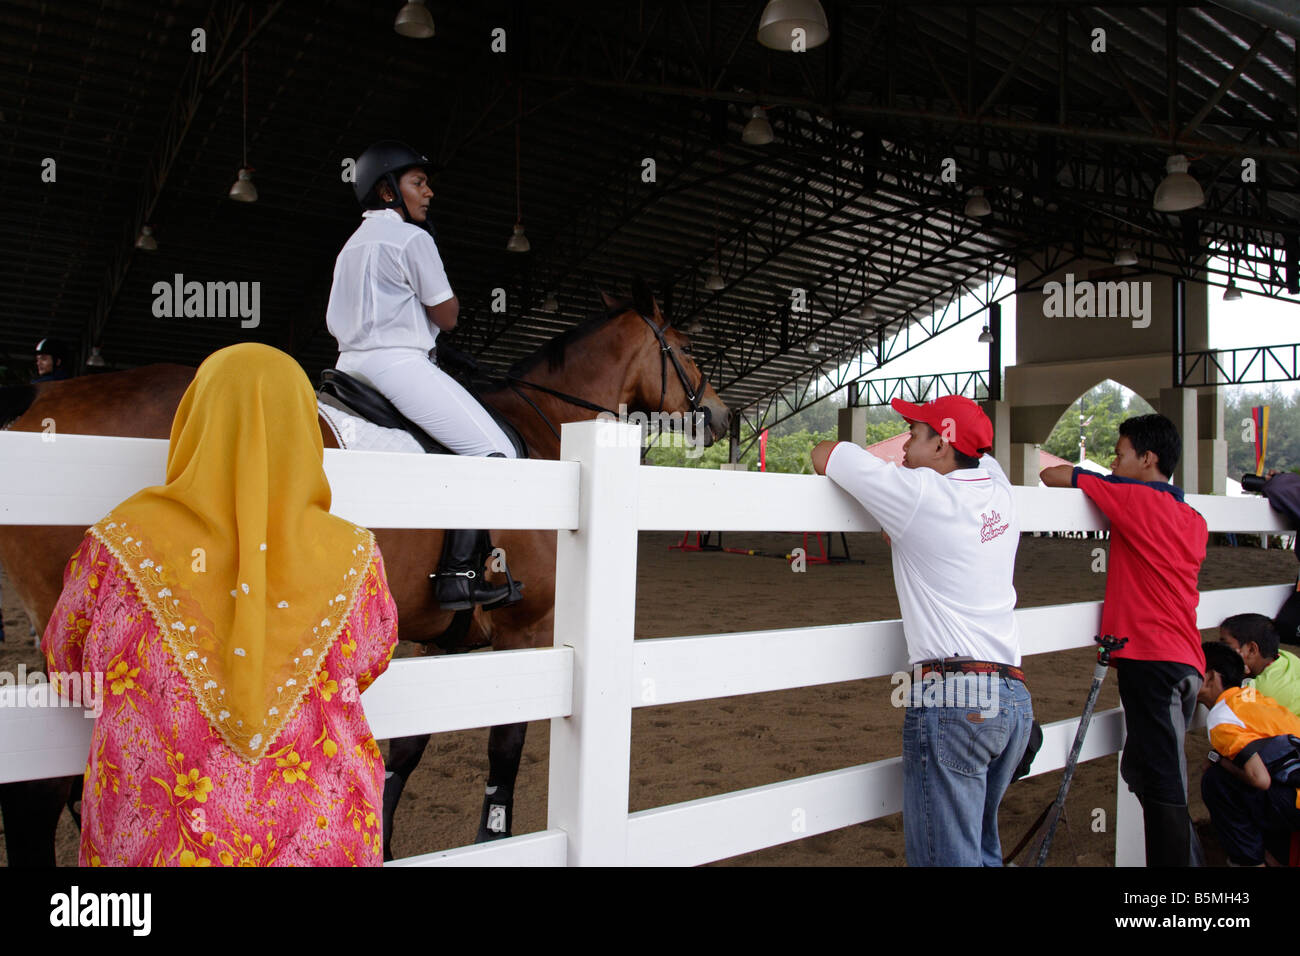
x,y
389,301
51,364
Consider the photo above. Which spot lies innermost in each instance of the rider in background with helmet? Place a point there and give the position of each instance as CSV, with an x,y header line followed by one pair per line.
x,y
390,299
51,361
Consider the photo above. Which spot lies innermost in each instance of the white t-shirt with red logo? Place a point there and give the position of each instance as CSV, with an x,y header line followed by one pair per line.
x,y
954,540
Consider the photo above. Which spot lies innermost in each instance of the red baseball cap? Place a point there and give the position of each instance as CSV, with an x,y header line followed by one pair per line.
x,y
956,418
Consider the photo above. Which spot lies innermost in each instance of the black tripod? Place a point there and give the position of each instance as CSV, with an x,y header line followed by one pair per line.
x,y
1054,811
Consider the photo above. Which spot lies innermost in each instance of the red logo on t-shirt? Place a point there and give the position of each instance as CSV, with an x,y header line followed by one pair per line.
x,y
991,529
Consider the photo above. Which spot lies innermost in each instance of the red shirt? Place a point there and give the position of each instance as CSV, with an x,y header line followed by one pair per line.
x,y
1157,545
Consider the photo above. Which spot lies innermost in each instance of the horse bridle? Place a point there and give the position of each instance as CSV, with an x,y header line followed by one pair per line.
x,y
665,354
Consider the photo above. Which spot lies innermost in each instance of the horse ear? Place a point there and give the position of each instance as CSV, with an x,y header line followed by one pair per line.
x,y
642,298
609,300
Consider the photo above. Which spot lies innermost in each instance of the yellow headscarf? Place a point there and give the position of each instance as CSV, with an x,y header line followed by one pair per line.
x,y
246,573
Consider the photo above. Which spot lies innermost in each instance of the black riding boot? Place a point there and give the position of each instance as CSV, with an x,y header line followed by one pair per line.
x,y
459,583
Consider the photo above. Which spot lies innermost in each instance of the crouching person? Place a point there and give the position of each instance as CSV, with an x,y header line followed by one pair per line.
x,y
951,520
1250,782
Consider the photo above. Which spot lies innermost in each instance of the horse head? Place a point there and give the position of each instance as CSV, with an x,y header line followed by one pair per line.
x,y
662,377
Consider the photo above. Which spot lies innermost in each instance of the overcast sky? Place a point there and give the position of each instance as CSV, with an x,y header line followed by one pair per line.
x,y
1253,320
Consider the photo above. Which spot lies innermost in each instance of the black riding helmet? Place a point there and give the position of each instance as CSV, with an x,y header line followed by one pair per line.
x,y
385,161
52,347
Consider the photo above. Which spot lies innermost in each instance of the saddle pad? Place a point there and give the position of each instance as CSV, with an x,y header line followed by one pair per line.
x,y
357,434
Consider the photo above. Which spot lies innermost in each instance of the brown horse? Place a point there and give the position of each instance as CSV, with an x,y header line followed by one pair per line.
x,y
629,356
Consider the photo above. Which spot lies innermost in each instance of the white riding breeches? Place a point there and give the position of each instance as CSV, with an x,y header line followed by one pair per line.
x,y
429,397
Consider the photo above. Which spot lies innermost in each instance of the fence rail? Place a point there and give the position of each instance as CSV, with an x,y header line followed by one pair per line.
x,y
598,498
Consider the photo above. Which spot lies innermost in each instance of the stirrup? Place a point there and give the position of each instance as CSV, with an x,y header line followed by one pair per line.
x,y
513,591
467,595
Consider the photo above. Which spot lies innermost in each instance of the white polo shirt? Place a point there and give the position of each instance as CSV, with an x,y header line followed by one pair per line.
x,y
388,271
954,540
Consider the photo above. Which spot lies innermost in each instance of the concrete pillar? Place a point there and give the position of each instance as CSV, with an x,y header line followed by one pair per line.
x,y
1179,406
1021,465
1213,458
999,414
853,426
1212,449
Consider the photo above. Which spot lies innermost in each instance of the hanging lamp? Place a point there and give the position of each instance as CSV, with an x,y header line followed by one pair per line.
x,y
414,20
518,242
1178,191
782,17
977,206
758,131
243,189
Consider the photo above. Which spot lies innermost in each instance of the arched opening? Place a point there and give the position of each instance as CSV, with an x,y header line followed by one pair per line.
x,y
1086,432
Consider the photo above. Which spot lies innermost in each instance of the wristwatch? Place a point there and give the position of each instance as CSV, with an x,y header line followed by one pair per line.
x,y
1213,756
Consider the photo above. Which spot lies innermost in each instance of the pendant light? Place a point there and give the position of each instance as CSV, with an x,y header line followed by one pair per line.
x,y
977,206
550,304
243,190
145,241
782,17
96,359
986,336
868,312
518,242
714,282
1126,256
1232,293
414,20
758,131
1178,191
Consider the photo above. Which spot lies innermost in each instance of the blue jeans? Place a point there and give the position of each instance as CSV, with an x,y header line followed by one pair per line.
x,y
957,764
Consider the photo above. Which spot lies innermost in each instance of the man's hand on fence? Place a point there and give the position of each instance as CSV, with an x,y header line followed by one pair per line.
x,y
1058,476
821,453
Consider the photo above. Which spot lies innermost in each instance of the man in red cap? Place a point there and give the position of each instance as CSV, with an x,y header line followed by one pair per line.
x,y
950,517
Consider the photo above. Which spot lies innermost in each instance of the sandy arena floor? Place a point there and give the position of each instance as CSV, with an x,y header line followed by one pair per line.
x,y
684,751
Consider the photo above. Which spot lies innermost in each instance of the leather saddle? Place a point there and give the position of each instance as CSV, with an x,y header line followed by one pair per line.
x,y
369,403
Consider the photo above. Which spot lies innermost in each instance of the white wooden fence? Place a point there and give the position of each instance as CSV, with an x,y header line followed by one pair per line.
x,y
598,497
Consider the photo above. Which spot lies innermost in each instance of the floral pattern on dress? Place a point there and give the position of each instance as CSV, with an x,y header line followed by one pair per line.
x,y
161,786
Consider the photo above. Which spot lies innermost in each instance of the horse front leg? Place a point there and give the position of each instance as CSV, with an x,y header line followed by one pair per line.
x,y
404,755
505,747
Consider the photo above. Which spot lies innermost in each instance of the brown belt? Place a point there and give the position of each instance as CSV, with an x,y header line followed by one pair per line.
x,y
973,667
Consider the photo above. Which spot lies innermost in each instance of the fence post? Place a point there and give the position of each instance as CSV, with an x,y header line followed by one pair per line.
x,y
595,605
1130,831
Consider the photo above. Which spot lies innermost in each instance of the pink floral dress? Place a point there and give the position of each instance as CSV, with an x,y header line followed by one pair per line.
x,y
163,789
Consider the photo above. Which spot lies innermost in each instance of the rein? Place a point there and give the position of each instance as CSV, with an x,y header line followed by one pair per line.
x,y
665,353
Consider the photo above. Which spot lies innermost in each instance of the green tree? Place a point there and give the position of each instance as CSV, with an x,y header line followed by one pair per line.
x,y
1096,415
1283,452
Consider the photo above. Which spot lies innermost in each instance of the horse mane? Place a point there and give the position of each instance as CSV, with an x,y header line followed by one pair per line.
x,y
14,400
553,352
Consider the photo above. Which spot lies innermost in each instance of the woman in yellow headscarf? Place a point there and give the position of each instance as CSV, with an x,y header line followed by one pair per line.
x,y
235,622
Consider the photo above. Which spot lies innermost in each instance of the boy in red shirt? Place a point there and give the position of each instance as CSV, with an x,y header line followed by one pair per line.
x,y
1157,546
